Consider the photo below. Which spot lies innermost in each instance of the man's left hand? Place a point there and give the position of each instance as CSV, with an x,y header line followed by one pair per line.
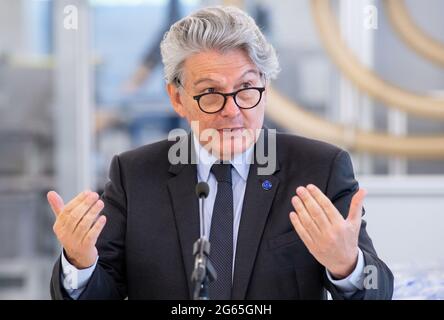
x,y
330,238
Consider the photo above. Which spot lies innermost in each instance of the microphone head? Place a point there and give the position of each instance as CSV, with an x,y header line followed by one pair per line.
x,y
202,190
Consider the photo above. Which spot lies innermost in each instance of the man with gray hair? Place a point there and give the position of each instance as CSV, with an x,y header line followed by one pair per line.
x,y
291,233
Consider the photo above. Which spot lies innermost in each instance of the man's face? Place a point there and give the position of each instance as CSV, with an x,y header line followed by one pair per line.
x,y
212,71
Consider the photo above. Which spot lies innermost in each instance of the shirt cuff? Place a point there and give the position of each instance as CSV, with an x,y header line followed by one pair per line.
x,y
73,278
355,281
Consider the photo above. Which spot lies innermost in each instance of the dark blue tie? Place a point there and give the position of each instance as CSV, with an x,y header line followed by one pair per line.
x,y
221,233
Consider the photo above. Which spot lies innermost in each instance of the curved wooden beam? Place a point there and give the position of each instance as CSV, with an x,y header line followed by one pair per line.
x,y
364,78
411,34
295,119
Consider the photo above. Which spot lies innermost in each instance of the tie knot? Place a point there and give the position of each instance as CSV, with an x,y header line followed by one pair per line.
x,y
222,172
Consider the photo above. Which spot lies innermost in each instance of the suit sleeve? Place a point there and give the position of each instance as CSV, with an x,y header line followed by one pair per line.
x,y
340,189
108,280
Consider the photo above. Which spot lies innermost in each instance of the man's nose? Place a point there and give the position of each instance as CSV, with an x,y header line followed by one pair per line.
x,y
231,109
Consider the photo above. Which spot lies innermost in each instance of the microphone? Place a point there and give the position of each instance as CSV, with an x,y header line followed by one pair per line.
x,y
202,190
204,271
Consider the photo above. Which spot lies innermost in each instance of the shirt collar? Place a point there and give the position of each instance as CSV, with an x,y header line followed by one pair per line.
x,y
241,162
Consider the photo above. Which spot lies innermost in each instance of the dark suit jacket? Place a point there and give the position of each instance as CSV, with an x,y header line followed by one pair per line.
x,y
145,249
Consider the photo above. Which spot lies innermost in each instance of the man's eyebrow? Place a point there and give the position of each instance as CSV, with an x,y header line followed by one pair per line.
x,y
199,81
250,71
203,80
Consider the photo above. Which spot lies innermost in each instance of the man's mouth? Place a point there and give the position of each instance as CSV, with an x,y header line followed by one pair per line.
x,y
230,129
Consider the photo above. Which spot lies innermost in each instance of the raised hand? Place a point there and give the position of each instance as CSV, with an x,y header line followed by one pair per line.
x,y
78,226
330,238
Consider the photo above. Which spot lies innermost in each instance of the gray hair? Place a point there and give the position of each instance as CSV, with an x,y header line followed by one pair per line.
x,y
216,28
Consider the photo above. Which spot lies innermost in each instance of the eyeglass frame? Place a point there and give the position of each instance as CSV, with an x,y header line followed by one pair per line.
x,y
226,95
231,94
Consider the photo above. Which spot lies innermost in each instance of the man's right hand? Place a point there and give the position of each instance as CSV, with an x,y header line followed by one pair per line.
x,y
77,226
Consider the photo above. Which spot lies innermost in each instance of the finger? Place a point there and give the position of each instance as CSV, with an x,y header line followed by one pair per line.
x,y
93,233
82,209
305,218
56,202
355,212
64,216
77,200
88,220
330,210
314,209
303,234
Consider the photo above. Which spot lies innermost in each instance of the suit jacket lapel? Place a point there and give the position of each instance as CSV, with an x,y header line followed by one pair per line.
x,y
255,210
186,211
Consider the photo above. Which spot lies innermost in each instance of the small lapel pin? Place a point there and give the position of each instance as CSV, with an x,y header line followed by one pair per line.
x,y
266,185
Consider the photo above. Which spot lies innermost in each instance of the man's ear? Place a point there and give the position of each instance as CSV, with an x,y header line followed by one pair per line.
x,y
176,99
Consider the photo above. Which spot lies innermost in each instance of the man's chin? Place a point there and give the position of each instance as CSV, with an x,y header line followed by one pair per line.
x,y
233,148
227,145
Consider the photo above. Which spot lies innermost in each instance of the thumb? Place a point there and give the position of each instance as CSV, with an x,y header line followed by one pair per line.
x,y
355,212
56,202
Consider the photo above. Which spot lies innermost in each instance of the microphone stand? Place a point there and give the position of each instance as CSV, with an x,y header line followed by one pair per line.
x,y
203,272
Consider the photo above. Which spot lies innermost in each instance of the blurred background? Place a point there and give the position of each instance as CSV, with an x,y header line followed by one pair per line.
x,y
81,80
